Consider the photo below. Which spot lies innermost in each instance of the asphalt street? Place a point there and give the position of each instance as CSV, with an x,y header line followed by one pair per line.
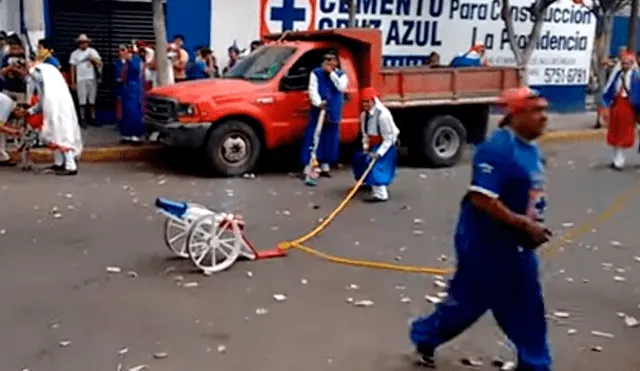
x,y
63,311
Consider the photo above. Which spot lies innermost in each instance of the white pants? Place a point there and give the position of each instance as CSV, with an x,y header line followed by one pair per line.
x,y
68,159
87,92
619,157
323,167
4,155
380,192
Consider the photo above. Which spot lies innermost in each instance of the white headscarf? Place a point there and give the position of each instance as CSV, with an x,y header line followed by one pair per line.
x,y
61,126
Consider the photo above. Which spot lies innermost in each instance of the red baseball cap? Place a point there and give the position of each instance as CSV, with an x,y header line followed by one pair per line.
x,y
368,93
521,99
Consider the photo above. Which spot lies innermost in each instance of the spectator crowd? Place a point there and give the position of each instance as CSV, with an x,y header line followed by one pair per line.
x,y
135,74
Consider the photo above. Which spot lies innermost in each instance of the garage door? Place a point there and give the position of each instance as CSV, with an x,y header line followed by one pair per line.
x,y
108,23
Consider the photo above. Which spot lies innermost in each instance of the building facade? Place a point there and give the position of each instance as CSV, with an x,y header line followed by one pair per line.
x,y
412,29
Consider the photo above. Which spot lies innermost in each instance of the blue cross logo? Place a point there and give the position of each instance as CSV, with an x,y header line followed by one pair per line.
x,y
287,14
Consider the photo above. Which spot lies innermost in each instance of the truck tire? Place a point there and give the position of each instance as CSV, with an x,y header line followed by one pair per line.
x,y
443,139
233,148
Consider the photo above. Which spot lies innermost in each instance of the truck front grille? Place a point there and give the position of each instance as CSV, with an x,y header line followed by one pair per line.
x,y
160,110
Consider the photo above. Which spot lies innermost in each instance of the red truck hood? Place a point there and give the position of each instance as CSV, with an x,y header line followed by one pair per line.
x,y
193,91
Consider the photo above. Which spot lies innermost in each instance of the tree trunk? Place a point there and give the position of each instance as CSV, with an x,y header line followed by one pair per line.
x,y
522,57
633,27
160,33
602,53
352,13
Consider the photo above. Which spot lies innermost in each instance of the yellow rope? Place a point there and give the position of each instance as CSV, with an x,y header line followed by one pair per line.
x,y
549,249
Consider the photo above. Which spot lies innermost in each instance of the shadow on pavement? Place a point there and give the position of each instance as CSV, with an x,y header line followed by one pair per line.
x,y
285,160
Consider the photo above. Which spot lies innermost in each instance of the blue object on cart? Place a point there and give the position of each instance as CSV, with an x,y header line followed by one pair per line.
x,y
175,208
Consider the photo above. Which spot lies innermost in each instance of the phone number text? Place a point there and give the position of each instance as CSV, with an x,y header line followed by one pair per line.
x,y
565,75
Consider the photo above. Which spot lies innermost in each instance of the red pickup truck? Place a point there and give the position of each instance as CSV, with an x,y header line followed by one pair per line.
x,y
262,103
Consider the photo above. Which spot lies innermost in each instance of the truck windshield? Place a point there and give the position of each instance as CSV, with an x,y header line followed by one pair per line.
x,y
262,64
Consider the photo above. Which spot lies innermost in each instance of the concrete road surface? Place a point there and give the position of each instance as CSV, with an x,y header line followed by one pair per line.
x,y
62,311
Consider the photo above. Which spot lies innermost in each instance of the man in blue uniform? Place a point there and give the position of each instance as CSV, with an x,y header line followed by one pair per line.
x,y
499,227
326,92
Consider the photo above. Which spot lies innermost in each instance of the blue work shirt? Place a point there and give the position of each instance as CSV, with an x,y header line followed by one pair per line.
x,y
198,70
510,169
329,93
466,60
53,61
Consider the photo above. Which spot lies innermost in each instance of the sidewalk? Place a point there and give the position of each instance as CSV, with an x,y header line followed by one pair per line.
x,y
107,136
559,122
102,144
101,136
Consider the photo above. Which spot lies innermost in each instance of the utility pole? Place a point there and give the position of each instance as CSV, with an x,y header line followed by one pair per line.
x,y
352,13
633,27
160,33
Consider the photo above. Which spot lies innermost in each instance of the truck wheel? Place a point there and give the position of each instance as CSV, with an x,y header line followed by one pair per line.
x,y
443,140
233,148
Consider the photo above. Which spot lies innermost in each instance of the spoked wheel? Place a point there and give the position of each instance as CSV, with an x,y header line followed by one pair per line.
x,y
212,247
175,236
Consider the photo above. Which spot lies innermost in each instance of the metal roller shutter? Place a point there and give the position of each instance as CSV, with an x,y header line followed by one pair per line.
x,y
108,23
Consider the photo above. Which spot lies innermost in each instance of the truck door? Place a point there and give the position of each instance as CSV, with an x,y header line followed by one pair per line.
x,y
350,125
295,105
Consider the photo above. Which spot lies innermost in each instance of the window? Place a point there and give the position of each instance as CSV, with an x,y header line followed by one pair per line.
x,y
262,64
298,75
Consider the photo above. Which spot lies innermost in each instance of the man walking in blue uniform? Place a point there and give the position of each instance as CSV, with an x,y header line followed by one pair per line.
x,y
326,92
499,228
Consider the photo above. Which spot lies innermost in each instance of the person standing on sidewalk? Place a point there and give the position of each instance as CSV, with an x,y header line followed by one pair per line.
x,y
327,84
86,66
7,108
45,54
129,80
14,66
234,56
60,131
182,58
621,98
498,230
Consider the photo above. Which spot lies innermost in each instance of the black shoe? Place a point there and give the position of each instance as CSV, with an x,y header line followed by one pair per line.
x,y
7,163
374,200
614,167
325,174
65,172
426,357
53,169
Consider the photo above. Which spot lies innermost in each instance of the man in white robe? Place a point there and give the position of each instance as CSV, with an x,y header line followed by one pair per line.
x,y
379,143
61,130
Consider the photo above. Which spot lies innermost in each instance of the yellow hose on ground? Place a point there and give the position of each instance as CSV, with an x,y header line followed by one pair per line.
x,y
549,249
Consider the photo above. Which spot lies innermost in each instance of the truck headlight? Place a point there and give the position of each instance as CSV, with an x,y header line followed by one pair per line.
x,y
186,109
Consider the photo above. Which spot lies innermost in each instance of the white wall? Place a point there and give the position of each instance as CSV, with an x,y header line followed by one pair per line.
x,y
10,15
34,20
232,20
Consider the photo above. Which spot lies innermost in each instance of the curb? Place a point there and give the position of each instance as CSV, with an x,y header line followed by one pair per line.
x,y
100,154
149,152
569,136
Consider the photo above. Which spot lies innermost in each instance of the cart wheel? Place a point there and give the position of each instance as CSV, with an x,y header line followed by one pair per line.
x,y
175,236
210,247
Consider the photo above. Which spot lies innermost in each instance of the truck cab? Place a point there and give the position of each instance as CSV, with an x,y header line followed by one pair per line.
x,y
263,102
